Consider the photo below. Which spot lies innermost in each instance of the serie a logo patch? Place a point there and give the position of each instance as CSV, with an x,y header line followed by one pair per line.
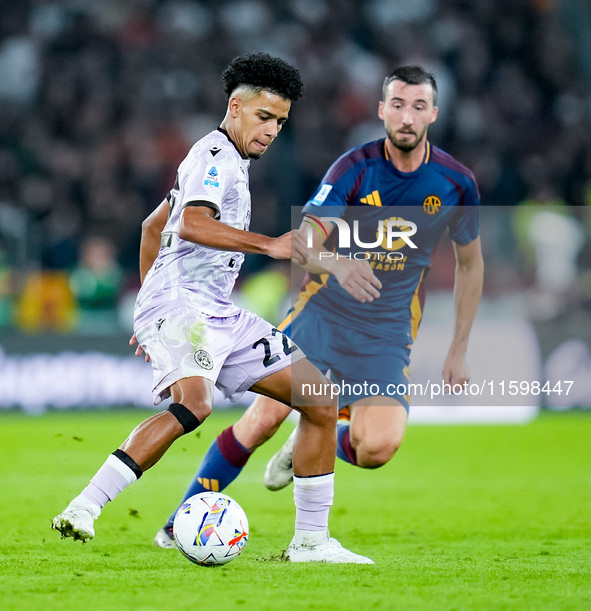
x,y
211,176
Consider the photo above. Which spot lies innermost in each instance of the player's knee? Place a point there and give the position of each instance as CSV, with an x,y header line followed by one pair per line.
x,y
372,454
318,394
201,409
190,414
317,402
322,414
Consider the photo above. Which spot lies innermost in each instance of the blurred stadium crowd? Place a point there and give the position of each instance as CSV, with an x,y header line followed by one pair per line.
x,y
100,101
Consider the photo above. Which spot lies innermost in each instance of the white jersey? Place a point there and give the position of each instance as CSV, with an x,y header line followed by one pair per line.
x,y
213,174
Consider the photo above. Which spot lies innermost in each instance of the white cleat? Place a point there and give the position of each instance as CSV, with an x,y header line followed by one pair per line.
x,y
320,547
279,471
164,538
77,520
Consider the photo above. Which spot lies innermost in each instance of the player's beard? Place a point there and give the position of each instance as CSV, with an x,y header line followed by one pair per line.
x,y
405,145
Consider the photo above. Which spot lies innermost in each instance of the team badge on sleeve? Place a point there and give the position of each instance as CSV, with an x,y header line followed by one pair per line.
x,y
321,195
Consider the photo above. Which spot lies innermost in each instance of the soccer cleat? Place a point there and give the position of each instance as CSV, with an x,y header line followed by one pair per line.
x,y
77,520
320,547
279,471
164,538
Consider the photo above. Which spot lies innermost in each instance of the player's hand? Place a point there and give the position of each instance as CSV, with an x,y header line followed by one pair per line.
x,y
455,369
139,350
358,279
291,245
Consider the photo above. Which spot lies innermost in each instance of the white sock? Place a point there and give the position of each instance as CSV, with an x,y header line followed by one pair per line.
x,y
313,497
111,479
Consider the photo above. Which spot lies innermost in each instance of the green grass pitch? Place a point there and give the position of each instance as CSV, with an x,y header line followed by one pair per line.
x,y
465,517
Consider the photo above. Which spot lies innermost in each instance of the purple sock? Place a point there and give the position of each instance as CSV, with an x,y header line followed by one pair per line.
x,y
313,498
111,479
231,449
345,450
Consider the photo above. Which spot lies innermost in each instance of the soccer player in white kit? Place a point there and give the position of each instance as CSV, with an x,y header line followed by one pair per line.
x,y
191,251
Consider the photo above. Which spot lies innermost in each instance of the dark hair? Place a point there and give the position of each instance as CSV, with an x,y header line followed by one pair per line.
x,y
411,75
263,72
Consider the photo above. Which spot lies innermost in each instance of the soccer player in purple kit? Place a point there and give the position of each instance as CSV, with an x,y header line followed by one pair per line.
x,y
191,251
359,318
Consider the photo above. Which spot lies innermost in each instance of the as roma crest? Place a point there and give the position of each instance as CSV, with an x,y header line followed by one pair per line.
x,y
432,204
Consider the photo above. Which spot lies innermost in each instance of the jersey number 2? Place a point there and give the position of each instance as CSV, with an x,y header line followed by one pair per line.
x,y
269,360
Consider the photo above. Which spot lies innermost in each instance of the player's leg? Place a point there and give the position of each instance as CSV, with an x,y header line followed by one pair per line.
x,y
148,442
264,360
192,400
377,420
369,440
229,453
315,445
313,463
231,450
375,432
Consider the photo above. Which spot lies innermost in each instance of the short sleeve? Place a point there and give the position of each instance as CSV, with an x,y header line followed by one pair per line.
x,y
207,180
328,194
465,226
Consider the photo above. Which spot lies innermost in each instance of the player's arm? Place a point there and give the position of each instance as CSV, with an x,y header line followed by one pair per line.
x,y
198,225
152,228
467,291
355,276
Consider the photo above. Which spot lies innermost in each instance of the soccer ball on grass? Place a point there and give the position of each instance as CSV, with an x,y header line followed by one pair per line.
x,y
210,529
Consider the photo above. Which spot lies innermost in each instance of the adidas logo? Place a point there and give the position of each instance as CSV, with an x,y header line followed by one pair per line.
x,y
372,199
209,484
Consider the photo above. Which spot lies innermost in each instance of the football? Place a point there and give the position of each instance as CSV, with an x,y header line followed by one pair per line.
x,y
210,529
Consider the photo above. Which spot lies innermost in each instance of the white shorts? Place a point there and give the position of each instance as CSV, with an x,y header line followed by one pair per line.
x,y
233,352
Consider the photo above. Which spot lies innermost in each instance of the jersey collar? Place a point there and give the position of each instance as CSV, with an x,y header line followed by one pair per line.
x,y
221,129
408,174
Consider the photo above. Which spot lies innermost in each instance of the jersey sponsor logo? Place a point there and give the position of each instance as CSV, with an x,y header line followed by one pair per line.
x,y
432,204
321,195
203,359
372,199
215,150
211,176
159,322
387,262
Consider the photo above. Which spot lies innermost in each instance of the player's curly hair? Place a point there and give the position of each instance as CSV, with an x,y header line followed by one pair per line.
x,y
263,72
